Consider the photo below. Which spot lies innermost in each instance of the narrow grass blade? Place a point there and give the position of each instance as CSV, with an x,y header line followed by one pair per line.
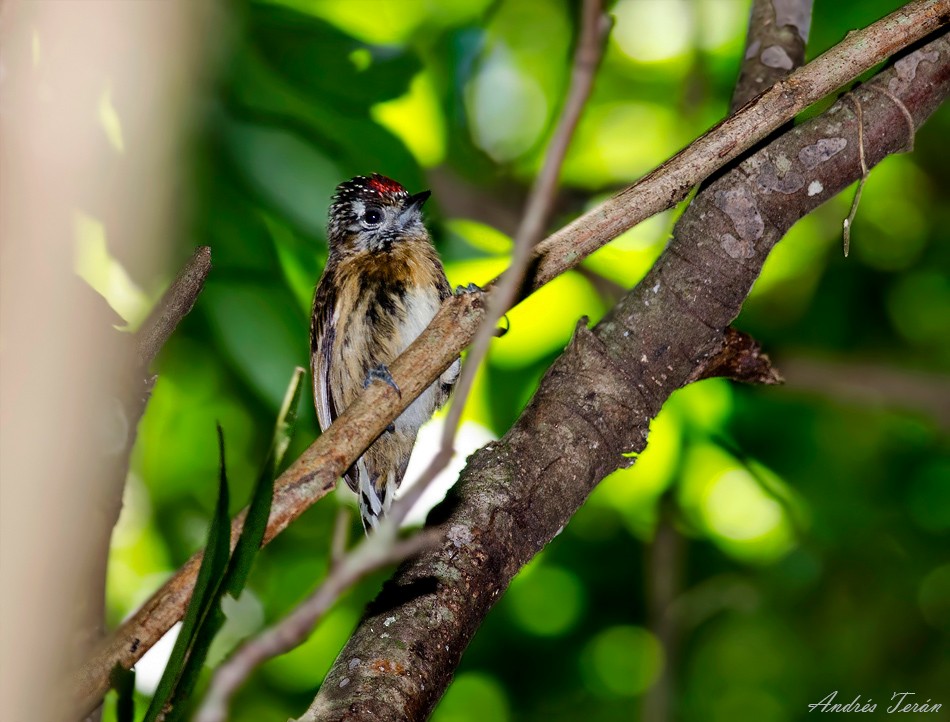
x,y
252,533
210,576
247,547
123,682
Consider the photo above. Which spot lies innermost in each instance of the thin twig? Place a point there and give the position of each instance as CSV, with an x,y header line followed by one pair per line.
x,y
315,472
146,344
375,551
911,129
871,385
177,301
664,579
595,27
846,225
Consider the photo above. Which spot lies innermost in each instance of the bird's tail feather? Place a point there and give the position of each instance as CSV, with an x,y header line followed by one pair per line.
x,y
375,498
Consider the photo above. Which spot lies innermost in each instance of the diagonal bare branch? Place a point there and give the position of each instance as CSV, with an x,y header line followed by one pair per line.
x,y
174,305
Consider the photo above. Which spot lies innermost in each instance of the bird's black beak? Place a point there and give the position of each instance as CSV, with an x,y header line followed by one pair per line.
x,y
416,201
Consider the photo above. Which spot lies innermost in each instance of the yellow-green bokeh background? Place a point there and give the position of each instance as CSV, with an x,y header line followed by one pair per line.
x,y
815,522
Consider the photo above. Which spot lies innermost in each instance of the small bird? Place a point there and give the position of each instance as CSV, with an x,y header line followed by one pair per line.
x,y
382,285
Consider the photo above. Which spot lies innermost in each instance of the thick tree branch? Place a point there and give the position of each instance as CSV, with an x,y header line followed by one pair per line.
x,y
782,25
596,401
315,472
774,46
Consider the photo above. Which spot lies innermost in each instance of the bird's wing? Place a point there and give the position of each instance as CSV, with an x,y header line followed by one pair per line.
x,y
322,336
445,290
323,325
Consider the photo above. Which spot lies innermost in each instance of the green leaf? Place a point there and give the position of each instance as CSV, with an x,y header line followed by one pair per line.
x,y
246,549
252,533
259,326
210,575
123,682
352,75
286,172
261,95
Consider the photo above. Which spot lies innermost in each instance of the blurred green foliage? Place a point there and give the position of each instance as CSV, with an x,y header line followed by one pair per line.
x,y
813,524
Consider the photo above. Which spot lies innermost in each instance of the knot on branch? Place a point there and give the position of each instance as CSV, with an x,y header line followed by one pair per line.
x,y
741,359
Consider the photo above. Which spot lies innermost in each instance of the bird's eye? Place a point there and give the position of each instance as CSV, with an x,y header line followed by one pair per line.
x,y
373,216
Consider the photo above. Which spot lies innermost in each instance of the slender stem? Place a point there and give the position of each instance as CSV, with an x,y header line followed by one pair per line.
x,y
664,564
147,342
173,307
341,532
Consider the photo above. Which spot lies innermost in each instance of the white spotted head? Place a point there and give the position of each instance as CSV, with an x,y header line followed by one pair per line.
x,y
373,213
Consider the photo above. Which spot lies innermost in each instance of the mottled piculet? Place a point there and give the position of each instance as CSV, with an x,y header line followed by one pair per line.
x,y
382,285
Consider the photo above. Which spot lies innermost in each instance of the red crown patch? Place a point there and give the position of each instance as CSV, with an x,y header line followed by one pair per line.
x,y
383,185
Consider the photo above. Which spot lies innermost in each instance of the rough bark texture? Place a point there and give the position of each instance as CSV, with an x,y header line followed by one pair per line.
x,y
596,401
174,305
775,44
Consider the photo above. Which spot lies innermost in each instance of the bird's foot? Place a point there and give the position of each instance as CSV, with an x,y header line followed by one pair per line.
x,y
380,373
470,288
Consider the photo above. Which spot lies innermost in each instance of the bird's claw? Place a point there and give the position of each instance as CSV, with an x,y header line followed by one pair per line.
x,y
380,373
470,288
